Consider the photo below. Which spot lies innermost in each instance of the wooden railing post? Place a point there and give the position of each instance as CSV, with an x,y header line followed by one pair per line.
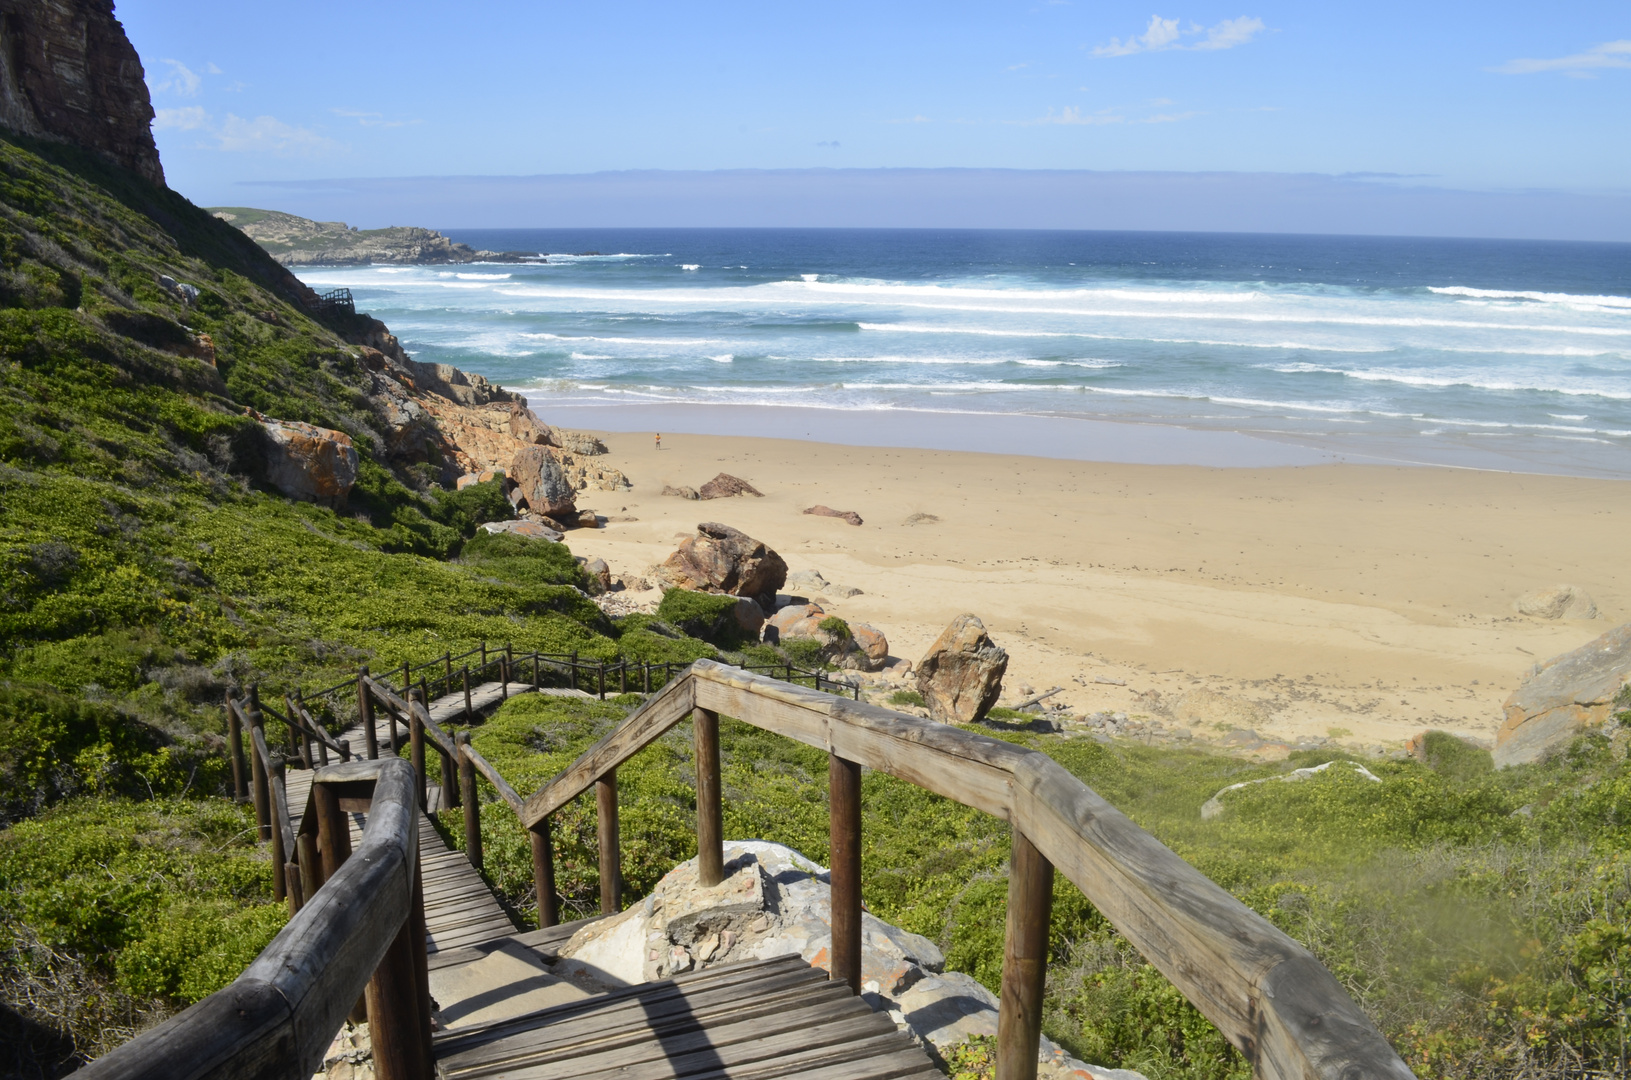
x,y
645,676
280,885
844,804
543,874
535,683
365,713
600,684
710,828
407,678
235,747
469,712
574,669
447,677
450,766
416,740
483,668
399,1028
611,863
1024,961
623,675
257,768
334,842
310,861
468,796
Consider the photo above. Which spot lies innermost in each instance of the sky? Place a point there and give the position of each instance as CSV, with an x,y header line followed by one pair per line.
x,y
1527,105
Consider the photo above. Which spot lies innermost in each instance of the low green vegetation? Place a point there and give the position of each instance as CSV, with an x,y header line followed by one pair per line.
x,y
1478,917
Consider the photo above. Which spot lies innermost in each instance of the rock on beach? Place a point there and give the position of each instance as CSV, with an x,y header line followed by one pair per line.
x,y
721,559
725,486
1564,697
960,677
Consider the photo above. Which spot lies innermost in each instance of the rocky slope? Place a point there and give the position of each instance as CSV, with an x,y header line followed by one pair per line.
x,y
67,72
298,241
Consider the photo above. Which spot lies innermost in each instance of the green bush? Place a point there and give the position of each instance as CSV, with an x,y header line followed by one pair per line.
x,y
1455,758
707,616
907,697
835,626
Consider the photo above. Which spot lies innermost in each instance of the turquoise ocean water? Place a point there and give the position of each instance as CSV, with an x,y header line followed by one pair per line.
x,y
1498,354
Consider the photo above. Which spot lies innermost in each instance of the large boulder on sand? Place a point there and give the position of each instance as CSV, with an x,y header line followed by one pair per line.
x,y
1557,602
720,559
725,486
1565,696
543,483
308,462
960,677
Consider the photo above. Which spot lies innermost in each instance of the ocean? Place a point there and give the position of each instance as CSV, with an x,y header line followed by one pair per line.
x,y
1476,353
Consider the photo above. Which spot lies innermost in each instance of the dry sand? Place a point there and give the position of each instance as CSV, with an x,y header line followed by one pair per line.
x,y
1368,602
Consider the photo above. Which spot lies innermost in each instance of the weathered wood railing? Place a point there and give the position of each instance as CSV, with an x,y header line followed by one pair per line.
x,y
1268,995
360,933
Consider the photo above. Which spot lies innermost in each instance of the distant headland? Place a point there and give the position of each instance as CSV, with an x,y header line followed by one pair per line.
x,y
298,241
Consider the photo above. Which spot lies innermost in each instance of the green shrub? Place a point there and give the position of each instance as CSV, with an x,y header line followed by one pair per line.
x,y
707,616
1455,758
835,626
907,697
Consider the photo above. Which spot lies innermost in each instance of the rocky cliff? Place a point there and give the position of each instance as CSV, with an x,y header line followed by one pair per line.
x,y
298,241
68,72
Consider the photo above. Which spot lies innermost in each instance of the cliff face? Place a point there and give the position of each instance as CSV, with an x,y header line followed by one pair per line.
x,y
68,72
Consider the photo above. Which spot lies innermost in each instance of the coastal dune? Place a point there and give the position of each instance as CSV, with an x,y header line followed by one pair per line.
x,y
1358,602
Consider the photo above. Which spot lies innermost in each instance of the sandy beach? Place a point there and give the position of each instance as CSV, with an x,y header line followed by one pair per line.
x,y
1360,602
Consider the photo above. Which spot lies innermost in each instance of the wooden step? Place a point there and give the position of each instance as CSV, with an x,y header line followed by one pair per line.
x,y
758,1020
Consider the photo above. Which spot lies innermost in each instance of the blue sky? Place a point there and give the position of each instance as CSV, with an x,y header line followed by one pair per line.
x,y
1493,97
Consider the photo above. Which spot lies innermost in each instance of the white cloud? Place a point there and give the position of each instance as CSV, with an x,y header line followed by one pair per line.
x,y
1071,115
371,119
1581,65
212,69
1163,35
181,80
269,135
918,119
188,119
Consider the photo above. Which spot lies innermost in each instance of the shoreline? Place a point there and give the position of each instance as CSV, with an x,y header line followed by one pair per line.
x,y
1069,438
1362,603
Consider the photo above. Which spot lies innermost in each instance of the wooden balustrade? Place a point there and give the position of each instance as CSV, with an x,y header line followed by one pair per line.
x,y
361,932
1265,992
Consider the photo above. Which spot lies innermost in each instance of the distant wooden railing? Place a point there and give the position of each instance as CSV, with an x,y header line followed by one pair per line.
x,y
1268,995
360,933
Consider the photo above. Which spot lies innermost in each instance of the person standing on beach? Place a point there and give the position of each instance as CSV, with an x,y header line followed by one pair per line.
x,y
659,440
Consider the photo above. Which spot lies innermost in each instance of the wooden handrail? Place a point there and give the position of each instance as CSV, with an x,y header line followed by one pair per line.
x,y
387,697
278,1018
1268,994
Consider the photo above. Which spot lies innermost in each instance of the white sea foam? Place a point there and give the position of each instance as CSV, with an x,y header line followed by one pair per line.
x,y
690,266
723,358
1460,379
1622,303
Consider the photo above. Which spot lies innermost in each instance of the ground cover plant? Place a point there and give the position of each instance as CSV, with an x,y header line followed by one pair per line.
x,y
1478,917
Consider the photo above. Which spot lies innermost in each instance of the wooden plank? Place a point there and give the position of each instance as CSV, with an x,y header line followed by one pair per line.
x,y
1024,960
660,1008
881,1057
838,1017
644,725
639,997
685,1054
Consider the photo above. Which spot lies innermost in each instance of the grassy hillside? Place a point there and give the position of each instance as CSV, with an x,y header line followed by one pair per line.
x,y
144,570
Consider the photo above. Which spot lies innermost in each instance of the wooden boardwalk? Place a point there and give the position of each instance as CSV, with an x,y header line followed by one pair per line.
x,y
758,1020
460,910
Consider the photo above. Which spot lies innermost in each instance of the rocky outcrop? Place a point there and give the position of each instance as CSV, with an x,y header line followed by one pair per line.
x,y
873,646
542,483
775,902
681,492
725,486
1564,697
531,530
861,648
298,241
960,677
308,462
843,515
1557,602
68,72
720,559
